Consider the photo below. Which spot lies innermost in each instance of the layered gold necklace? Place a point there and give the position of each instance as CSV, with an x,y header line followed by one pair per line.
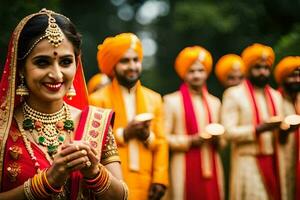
x,y
48,130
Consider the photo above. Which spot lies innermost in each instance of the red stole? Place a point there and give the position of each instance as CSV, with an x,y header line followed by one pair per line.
x,y
93,128
196,185
297,143
297,137
268,165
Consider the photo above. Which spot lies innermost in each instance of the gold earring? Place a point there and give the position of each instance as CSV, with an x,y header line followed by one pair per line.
x,y
22,90
71,93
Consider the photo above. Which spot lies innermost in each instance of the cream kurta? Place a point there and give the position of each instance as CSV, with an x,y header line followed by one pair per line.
x,y
290,152
179,141
237,116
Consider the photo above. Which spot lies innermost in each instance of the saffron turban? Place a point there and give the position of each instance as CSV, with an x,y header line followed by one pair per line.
x,y
258,53
97,79
227,63
285,67
188,56
113,48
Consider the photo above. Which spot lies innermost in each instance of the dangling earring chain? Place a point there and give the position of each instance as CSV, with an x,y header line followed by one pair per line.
x,y
51,128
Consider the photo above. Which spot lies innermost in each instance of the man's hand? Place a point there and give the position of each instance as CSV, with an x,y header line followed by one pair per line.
x,y
267,126
138,130
156,191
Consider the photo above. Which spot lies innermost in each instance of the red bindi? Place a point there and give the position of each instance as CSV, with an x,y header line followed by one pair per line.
x,y
55,53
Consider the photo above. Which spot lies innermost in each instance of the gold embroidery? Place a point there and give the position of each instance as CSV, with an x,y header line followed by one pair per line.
x,y
110,148
15,152
3,112
13,170
15,135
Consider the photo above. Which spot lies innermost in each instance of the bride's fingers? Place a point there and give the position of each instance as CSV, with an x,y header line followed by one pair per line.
x,y
79,161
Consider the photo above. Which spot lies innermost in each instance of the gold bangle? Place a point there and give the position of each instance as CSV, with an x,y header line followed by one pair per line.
x,y
35,189
52,189
42,186
126,191
27,190
105,186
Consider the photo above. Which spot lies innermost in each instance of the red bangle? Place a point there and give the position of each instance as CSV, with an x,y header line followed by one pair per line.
x,y
49,186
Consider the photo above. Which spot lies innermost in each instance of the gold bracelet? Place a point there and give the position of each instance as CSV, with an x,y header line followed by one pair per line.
x,y
126,191
46,182
107,184
34,188
27,190
42,185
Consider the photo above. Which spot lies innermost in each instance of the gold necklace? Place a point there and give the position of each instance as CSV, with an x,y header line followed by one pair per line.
x,y
49,130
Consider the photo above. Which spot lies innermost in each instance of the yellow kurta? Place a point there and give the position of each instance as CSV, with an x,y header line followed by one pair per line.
x,y
179,141
290,152
152,161
237,117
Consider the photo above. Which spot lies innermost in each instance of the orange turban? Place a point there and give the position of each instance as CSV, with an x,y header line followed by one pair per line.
x,y
257,53
188,56
285,67
95,81
113,48
227,63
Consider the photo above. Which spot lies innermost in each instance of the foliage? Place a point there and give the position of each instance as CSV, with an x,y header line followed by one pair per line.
x,y
12,12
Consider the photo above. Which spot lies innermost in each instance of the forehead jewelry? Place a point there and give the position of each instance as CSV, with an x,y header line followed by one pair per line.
x,y
53,33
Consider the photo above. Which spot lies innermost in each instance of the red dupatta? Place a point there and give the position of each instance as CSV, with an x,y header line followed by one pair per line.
x,y
297,143
196,185
268,165
297,137
93,128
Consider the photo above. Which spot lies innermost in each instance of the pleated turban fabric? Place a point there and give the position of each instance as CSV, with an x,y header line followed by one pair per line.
x,y
188,56
285,67
95,81
113,49
258,53
226,64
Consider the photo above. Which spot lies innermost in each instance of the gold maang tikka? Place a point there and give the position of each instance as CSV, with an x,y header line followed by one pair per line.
x,y
53,33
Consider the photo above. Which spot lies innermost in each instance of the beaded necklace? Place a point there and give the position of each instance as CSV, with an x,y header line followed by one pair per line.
x,y
48,130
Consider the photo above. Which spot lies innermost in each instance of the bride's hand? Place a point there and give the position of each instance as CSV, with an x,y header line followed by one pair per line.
x,y
71,157
91,166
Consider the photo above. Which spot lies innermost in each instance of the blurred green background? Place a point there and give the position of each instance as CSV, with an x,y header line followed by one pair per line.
x,y
166,27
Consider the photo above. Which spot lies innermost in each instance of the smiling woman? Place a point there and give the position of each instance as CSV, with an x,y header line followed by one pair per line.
x,y
49,148
51,72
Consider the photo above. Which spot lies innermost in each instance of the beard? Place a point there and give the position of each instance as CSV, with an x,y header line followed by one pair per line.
x,y
127,81
259,81
292,88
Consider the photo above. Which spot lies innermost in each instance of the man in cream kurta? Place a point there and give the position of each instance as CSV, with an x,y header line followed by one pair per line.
x,y
193,65
287,75
245,110
141,143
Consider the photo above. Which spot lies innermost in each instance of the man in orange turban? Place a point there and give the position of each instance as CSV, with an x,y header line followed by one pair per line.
x,y
287,75
230,70
251,115
138,125
195,167
96,82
